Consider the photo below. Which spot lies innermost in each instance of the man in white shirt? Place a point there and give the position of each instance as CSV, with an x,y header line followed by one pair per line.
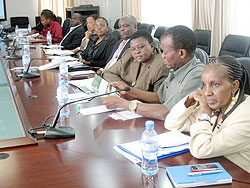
x,y
74,36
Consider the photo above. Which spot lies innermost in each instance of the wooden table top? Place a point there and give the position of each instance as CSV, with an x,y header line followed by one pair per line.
x,y
88,160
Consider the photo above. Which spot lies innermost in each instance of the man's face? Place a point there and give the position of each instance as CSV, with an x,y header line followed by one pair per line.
x,y
126,28
75,21
170,55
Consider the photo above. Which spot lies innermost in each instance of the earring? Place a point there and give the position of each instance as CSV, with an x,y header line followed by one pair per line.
x,y
233,101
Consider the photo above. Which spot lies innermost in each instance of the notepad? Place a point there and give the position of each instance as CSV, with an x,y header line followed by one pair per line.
x,y
180,178
132,150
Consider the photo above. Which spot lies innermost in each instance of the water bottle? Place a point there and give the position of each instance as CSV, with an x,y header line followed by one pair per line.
x,y
25,43
29,28
149,145
63,71
62,98
19,38
49,38
16,30
26,60
1,27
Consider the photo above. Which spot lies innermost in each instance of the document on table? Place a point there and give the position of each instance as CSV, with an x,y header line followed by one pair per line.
x,y
58,52
132,150
124,115
95,110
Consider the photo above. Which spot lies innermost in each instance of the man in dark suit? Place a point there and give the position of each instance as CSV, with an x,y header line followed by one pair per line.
x,y
127,26
74,36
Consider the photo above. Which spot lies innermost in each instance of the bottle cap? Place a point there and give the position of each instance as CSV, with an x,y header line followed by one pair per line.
x,y
61,82
149,124
48,32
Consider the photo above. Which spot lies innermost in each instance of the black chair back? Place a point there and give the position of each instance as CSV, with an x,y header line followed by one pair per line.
x,y
59,20
22,21
116,26
201,55
66,26
159,31
245,61
235,45
203,39
147,27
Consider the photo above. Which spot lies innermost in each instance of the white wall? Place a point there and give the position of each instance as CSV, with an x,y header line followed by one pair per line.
x,y
110,9
22,8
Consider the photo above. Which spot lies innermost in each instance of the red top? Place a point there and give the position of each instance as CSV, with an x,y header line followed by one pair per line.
x,y
55,31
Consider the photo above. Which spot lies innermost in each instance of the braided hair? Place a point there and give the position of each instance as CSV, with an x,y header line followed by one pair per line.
x,y
234,71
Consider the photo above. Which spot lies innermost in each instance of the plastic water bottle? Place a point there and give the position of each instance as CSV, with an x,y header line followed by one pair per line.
x,y
62,98
49,38
63,71
16,30
149,143
25,44
29,28
1,27
26,60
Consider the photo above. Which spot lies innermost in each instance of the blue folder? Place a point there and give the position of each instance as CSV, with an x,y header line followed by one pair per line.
x,y
180,178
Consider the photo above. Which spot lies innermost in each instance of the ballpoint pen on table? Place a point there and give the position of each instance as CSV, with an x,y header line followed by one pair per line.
x,y
205,172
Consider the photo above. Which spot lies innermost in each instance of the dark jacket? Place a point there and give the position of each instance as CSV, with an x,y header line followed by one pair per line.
x,y
115,48
98,54
73,39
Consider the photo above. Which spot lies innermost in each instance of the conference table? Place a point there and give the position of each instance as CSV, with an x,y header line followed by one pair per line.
x,y
88,159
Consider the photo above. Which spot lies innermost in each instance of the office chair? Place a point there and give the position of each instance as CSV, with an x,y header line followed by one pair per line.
x,y
159,31
59,20
66,26
203,39
116,26
235,45
245,61
201,55
22,22
116,34
147,27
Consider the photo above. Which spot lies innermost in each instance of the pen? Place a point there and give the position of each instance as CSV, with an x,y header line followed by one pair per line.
x,y
202,173
78,109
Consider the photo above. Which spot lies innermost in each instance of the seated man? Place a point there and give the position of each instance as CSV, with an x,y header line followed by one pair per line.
x,y
178,45
127,26
73,38
141,66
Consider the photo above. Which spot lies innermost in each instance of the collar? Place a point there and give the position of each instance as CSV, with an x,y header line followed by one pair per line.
x,y
74,27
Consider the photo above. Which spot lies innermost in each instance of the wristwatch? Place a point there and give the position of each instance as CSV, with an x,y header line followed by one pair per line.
x,y
132,106
204,117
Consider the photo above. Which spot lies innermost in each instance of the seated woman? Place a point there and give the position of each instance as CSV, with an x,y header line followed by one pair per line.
x,y
218,115
140,67
90,22
100,45
47,19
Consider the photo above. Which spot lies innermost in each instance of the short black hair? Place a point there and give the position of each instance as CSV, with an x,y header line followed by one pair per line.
x,y
94,16
183,38
144,34
102,18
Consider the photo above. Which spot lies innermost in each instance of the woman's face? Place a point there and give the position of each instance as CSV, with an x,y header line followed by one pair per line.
x,y
141,49
90,24
101,27
44,21
218,89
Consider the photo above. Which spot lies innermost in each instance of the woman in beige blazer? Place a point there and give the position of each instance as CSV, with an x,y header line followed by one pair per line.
x,y
217,115
141,66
